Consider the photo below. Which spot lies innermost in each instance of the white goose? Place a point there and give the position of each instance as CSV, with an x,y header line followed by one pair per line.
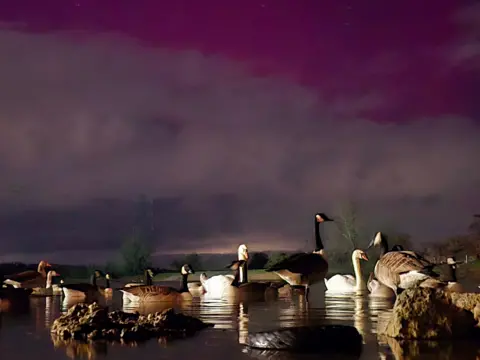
x,y
340,284
219,286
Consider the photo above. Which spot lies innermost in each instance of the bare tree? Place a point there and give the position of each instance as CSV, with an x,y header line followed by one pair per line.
x,y
347,223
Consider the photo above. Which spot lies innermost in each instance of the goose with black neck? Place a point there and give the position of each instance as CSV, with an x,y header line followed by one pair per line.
x,y
305,269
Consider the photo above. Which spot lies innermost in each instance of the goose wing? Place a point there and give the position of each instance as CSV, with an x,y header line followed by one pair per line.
x,y
150,289
23,276
304,263
404,261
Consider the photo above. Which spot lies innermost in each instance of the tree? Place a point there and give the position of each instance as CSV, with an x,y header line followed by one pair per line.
x,y
348,223
258,261
136,254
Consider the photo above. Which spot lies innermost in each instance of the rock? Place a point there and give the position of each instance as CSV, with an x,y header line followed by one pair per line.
x,y
92,322
314,339
428,314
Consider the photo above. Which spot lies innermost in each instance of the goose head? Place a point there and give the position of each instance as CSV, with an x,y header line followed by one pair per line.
x,y
243,252
43,266
397,248
377,240
235,265
321,217
150,272
359,254
187,269
98,274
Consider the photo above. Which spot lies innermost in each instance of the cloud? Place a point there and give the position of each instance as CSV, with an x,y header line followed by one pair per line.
x,y
106,117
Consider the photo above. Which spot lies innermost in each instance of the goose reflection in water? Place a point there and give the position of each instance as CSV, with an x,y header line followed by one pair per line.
x,y
80,350
390,348
242,323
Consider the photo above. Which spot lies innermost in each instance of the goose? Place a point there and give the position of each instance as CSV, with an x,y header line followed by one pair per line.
x,y
84,290
29,278
217,285
400,270
451,285
230,285
305,268
377,289
148,276
48,289
347,283
153,293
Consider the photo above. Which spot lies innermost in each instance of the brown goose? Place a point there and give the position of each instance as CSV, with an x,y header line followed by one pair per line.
x,y
29,278
400,270
305,269
155,293
148,276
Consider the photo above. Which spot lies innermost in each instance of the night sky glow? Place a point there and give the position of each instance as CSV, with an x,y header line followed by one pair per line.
x,y
245,117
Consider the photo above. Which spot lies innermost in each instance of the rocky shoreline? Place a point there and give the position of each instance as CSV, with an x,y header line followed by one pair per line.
x,y
93,322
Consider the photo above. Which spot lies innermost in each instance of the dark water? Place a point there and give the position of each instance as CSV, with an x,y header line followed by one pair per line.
x,y
27,336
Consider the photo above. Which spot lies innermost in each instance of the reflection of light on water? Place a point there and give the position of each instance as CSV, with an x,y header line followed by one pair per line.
x,y
340,307
380,311
242,323
219,312
80,350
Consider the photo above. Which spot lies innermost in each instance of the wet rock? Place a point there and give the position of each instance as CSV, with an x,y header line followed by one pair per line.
x,y
428,314
93,322
333,339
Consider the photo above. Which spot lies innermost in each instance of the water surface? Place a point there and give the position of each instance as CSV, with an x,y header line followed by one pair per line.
x,y
27,336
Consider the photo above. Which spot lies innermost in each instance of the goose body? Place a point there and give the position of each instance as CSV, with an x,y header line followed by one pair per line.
x,y
400,270
29,278
305,269
156,293
378,290
80,291
339,284
48,289
219,286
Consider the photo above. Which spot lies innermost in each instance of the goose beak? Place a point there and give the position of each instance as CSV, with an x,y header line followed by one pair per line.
x,y
364,257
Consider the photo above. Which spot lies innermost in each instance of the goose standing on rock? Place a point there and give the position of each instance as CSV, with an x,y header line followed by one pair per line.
x,y
156,293
400,270
340,284
305,268
80,291
29,278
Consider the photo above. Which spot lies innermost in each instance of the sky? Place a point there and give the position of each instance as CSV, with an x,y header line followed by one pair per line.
x,y
241,118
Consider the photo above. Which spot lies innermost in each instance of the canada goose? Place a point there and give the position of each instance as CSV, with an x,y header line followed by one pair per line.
x,y
378,290
218,286
84,290
48,289
29,278
108,291
148,275
451,284
152,293
400,270
305,268
348,283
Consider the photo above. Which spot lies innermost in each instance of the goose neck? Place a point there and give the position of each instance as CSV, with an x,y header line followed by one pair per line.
x,y
184,283
318,238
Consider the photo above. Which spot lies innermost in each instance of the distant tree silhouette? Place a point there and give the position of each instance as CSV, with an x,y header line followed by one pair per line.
x,y
347,223
136,254
258,261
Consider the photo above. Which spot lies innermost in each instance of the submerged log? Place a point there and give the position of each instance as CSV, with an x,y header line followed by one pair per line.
x,y
309,339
